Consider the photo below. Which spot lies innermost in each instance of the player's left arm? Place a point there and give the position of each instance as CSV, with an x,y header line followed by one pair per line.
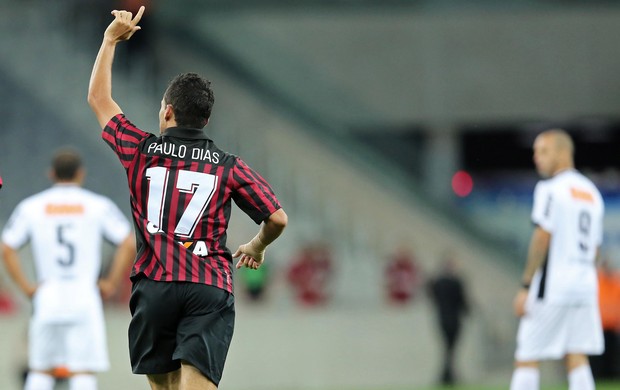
x,y
15,271
536,255
123,259
252,254
100,87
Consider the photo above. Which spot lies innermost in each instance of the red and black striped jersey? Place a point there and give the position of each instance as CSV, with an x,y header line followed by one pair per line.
x,y
181,186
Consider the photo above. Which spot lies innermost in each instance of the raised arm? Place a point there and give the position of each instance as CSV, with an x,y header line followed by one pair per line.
x,y
100,86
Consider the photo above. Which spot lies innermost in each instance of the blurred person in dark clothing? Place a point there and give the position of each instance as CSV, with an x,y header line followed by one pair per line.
x,y
448,294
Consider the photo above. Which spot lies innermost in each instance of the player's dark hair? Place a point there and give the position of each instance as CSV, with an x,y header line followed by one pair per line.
x,y
66,164
191,98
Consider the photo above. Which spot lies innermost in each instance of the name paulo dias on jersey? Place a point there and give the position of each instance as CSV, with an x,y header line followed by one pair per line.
x,y
181,151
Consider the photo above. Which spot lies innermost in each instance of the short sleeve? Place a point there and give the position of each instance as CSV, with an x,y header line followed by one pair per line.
x,y
16,232
252,193
115,226
124,138
542,210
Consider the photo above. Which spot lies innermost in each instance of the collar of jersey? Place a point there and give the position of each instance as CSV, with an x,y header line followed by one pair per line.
x,y
184,132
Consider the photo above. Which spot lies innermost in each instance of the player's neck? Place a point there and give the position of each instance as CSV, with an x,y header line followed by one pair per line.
x,y
563,169
67,183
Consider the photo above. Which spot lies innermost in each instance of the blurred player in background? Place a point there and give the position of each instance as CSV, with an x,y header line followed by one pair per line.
x,y
181,186
558,302
66,225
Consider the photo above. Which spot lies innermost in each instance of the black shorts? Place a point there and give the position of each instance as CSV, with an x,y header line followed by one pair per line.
x,y
175,321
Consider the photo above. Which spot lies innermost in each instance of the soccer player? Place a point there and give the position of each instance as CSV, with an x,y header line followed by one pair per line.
x,y
558,303
65,225
181,186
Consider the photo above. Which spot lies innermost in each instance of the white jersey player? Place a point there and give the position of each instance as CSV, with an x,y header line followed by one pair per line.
x,y
65,225
558,303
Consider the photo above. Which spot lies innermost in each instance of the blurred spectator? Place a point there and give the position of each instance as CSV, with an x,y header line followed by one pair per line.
x,y
310,274
254,281
448,294
402,276
607,365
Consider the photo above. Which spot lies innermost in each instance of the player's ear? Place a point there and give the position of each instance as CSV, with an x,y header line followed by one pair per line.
x,y
51,175
168,112
80,175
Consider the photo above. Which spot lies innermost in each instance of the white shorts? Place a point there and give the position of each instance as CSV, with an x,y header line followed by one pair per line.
x,y
77,342
549,332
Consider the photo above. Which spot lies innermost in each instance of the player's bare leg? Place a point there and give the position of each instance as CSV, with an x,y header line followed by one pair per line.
x,y
574,360
579,372
167,381
193,379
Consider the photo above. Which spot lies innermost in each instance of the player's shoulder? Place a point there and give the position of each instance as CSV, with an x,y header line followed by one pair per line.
x,y
34,199
576,186
586,179
224,157
94,197
575,178
124,125
542,186
239,161
32,204
121,120
563,180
